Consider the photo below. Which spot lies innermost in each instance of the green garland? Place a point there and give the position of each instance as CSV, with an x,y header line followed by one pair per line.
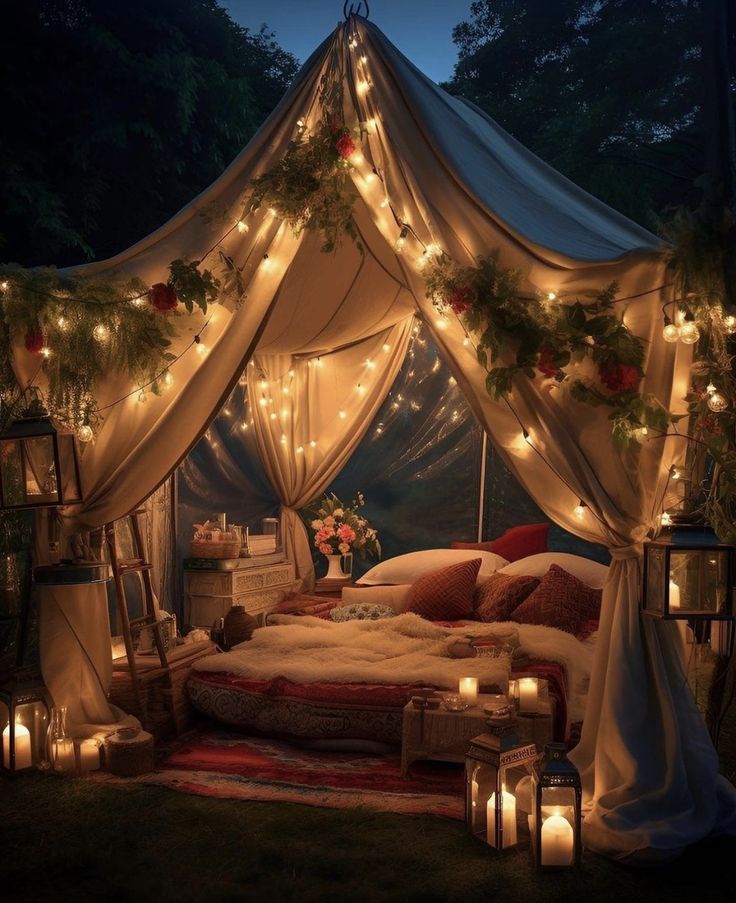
x,y
82,328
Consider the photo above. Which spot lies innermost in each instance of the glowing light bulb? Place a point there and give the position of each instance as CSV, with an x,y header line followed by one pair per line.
x,y
675,472
379,430
360,389
343,415
579,510
729,323
442,322
551,296
384,203
415,329
710,389
689,333
312,443
142,397
46,351
243,381
227,412
300,449
363,86
244,426
4,285
452,381
262,401
85,433
284,412
101,332
202,349
301,124
263,383
671,333
291,373
466,342
400,244
665,519
267,264
285,390
717,402
364,59
242,226
370,364
273,415
283,438
62,323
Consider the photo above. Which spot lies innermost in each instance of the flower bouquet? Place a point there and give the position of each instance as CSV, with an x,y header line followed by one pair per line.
x,y
340,530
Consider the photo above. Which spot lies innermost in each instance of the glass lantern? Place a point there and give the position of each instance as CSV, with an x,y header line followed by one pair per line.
x,y
38,465
555,822
498,780
688,575
24,723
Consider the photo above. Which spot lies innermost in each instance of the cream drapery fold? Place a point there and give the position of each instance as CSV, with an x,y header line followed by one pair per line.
x,y
309,415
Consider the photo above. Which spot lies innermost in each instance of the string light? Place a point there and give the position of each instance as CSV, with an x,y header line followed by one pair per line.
x,y
579,510
552,296
360,389
202,349
300,449
142,397
384,203
101,332
386,347
363,86
312,443
267,264
62,324
46,351
452,381
283,438
4,285
242,226
343,415
729,323
227,412
400,242
262,401
364,59
272,415
675,472
301,124
665,519
689,333
244,426
85,433
717,402
710,389
370,364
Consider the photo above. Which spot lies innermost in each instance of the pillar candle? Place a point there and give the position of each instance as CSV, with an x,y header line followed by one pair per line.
x,y
557,841
89,755
23,755
528,692
674,595
468,689
508,819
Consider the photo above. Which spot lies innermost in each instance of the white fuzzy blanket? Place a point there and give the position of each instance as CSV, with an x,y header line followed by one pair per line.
x,y
402,650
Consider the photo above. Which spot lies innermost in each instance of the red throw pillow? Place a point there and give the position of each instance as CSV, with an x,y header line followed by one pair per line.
x,y
498,596
446,594
561,601
515,543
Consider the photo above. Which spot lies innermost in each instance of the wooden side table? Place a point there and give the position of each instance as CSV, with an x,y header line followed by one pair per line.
x,y
332,589
440,735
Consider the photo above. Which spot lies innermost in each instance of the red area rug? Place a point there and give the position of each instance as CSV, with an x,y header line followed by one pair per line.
x,y
218,763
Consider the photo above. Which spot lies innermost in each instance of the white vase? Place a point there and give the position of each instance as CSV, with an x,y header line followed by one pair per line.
x,y
334,568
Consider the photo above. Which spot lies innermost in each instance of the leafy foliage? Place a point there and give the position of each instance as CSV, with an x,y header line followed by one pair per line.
x,y
116,114
310,187
193,286
339,528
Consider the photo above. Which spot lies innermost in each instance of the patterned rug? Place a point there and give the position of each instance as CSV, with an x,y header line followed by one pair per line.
x,y
216,762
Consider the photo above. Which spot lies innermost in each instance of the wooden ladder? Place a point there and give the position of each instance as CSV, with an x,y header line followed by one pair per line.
x,y
121,567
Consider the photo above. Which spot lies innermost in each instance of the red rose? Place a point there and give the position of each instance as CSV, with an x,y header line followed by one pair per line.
x,y
34,340
619,377
162,296
345,146
461,299
546,363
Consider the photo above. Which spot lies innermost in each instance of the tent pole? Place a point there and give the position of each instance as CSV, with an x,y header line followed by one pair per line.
x,y
482,486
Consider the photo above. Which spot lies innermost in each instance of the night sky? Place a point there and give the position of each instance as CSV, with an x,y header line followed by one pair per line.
x,y
421,29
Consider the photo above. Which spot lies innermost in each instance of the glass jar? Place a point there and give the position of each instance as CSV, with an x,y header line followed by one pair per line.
x,y
61,744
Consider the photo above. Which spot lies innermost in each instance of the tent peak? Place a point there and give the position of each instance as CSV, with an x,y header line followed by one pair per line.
x,y
354,9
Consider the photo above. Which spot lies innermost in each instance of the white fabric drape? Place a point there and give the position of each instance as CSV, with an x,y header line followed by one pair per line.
x,y
309,415
460,181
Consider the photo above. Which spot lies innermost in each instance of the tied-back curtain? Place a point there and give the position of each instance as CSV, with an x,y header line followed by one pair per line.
x,y
649,769
310,413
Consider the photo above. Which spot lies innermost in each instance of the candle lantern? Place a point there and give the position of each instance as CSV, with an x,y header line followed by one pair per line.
x,y
24,722
555,821
38,463
688,574
271,526
498,797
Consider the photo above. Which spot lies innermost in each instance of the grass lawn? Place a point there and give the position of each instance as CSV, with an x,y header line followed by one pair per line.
x,y
74,839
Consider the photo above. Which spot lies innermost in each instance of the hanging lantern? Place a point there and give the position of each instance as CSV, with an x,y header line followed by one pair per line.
x,y
24,724
688,574
555,822
498,784
38,464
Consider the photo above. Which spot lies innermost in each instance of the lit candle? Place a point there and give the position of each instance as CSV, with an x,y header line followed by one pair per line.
x,y
557,841
468,689
528,693
89,755
674,595
23,756
508,819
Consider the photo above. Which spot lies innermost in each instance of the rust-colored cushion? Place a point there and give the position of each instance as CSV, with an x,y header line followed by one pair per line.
x,y
561,601
446,594
498,596
515,543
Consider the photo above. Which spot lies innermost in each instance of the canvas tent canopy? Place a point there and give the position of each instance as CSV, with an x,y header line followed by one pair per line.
x,y
312,321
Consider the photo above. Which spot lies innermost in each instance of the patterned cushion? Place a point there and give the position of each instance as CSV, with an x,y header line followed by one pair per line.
x,y
446,594
499,595
561,601
515,543
362,611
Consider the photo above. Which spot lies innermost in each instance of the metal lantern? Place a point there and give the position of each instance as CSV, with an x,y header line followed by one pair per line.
x,y
688,575
556,818
271,526
24,723
38,465
498,791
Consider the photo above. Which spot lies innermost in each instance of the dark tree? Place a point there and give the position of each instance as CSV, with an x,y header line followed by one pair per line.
x,y
610,92
115,114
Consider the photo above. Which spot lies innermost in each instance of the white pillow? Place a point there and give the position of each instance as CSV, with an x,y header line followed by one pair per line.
x,y
409,568
396,597
591,572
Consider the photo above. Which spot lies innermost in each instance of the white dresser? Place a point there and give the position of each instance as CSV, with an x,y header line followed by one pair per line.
x,y
210,594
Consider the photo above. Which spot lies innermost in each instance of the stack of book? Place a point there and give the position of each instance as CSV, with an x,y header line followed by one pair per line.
x,y
259,544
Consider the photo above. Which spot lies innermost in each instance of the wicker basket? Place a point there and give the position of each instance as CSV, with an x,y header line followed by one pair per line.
x,y
229,548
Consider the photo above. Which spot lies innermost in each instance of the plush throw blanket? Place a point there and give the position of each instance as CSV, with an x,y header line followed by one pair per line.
x,y
402,650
